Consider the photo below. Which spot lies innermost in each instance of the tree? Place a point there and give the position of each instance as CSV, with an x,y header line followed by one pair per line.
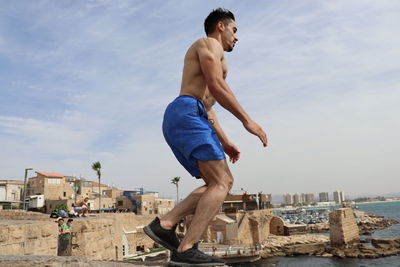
x,y
96,166
175,181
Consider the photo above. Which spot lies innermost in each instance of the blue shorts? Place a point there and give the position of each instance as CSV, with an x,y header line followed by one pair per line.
x,y
189,134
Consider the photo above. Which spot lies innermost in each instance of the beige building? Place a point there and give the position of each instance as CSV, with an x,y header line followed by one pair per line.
x,y
11,192
163,206
52,185
113,193
239,228
103,187
246,202
144,204
84,188
106,203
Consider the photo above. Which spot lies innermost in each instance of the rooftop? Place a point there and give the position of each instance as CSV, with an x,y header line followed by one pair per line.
x,y
51,174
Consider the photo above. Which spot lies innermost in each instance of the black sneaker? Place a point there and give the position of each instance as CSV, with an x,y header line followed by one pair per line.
x,y
194,257
166,238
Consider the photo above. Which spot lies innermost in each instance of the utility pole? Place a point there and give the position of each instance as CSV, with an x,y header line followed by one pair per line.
x,y
24,195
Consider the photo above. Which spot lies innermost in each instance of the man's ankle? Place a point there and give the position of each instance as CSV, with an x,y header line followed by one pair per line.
x,y
183,248
166,225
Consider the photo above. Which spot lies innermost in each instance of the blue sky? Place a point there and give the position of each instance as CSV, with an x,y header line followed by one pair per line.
x,y
85,81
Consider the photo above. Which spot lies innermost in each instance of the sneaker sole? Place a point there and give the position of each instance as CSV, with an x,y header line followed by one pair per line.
x,y
174,263
153,236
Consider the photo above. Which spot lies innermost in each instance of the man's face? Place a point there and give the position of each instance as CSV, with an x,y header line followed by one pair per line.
x,y
229,36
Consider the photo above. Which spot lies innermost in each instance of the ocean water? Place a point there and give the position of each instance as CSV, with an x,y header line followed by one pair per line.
x,y
388,209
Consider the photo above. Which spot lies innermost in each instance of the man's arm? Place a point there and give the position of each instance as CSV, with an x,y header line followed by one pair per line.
x,y
210,54
229,148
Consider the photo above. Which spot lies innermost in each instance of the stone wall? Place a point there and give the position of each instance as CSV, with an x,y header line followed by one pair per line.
x,y
277,226
22,215
96,237
343,227
254,227
27,237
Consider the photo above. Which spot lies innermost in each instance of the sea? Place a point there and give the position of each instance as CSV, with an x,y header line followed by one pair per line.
x,y
388,209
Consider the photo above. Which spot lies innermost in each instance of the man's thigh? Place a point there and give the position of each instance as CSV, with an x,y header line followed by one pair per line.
x,y
215,171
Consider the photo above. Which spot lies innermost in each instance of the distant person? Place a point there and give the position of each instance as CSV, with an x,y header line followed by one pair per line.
x,y
192,131
60,222
64,237
82,207
69,225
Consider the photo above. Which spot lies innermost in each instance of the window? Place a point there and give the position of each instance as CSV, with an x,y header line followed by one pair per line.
x,y
54,181
65,194
120,203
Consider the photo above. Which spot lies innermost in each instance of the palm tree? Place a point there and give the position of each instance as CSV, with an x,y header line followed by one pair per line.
x,y
96,166
175,181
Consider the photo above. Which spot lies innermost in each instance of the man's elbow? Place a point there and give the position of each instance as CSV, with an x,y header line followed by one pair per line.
x,y
215,86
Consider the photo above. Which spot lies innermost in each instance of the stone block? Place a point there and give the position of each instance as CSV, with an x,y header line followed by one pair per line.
x,y
4,233
48,231
33,231
16,232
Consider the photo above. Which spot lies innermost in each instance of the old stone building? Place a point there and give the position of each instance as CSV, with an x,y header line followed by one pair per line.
x,y
11,192
277,226
239,228
343,229
144,204
96,186
246,202
52,185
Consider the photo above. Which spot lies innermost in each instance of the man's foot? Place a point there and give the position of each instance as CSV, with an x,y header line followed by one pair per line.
x,y
194,257
164,237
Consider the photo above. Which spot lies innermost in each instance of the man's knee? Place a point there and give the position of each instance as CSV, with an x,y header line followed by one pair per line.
x,y
225,183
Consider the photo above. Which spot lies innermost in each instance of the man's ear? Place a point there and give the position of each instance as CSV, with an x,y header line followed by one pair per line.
x,y
220,26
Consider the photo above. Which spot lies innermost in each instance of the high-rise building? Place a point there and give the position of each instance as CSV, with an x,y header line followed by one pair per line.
x,y
309,198
302,198
288,199
338,196
296,199
323,197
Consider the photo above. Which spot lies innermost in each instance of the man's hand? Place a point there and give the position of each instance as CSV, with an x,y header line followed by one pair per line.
x,y
256,129
232,151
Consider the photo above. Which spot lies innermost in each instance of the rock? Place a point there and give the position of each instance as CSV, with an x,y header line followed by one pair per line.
x,y
386,243
327,255
305,249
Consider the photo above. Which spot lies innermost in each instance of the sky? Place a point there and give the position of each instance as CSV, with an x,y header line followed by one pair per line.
x,y
86,81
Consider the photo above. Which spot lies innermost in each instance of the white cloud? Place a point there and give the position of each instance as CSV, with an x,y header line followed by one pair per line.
x,y
90,81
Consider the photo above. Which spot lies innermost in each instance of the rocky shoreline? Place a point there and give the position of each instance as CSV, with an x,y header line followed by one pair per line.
x,y
367,223
319,246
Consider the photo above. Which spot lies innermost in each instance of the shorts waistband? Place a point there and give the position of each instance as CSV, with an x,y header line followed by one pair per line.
x,y
200,105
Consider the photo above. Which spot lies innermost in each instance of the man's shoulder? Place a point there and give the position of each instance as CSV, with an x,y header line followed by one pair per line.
x,y
209,43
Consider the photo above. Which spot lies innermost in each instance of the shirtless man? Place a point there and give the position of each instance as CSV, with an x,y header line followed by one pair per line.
x,y
192,131
81,207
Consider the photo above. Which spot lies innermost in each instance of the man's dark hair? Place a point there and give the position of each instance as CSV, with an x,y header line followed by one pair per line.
x,y
217,15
